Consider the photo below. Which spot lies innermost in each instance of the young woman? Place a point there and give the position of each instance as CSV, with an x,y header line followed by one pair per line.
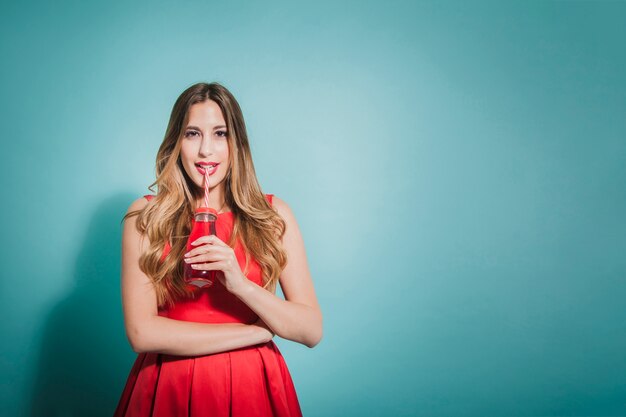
x,y
209,351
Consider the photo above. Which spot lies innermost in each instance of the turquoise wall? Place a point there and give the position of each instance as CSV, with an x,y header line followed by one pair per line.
x,y
458,171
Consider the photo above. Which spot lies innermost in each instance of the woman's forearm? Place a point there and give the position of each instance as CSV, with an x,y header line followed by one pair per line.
x,y
185,338
289,320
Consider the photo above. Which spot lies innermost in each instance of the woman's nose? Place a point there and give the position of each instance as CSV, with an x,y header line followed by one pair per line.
x,y
206,147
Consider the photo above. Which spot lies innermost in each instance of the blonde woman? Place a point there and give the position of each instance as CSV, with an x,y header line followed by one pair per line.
x,y
209,351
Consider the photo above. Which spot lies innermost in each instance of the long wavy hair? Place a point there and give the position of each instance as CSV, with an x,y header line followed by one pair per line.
x,y
257,226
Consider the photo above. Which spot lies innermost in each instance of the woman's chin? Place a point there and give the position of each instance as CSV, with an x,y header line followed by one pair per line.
x,y
212,186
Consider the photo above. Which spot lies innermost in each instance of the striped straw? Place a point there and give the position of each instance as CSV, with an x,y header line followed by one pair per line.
x,y
206,186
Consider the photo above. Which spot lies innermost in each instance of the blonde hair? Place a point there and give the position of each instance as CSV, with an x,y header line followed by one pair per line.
x,y
257,226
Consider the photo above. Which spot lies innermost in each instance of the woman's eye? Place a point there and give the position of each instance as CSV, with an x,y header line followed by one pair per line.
x,y
222,133
191,133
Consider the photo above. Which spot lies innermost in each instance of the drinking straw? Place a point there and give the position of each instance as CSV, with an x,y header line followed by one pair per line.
x,y
206,186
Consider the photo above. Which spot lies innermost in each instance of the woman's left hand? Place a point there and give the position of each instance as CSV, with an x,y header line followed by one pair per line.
x,y
215,255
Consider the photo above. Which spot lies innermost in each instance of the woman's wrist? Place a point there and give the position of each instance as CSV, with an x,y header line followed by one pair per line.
x,y
262,334
242,288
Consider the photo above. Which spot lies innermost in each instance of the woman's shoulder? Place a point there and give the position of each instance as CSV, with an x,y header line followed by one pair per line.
x,y
273,200
140,203
281,207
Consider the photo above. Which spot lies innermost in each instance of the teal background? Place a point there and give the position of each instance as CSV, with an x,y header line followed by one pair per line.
x,y
457,170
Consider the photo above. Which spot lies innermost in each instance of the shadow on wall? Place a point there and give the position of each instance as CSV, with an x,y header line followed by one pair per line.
x,y
84,356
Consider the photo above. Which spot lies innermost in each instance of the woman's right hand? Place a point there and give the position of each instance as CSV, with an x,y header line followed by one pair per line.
x,y
266,330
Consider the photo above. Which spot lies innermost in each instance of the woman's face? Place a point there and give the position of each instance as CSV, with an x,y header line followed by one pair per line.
x,y
205,143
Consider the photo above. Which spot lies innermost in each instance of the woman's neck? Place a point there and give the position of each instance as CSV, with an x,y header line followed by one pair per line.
x,y
216,200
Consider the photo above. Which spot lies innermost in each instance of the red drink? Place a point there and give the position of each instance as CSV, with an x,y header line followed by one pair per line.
x,y
204,225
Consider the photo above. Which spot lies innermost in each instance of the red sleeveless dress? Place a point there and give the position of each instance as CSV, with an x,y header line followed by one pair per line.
x,y
245,382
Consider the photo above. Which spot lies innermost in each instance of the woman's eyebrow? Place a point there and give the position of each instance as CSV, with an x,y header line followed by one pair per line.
x,y
197,128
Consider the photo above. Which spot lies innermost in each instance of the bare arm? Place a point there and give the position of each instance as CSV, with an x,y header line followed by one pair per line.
x,y
298,317
149,332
